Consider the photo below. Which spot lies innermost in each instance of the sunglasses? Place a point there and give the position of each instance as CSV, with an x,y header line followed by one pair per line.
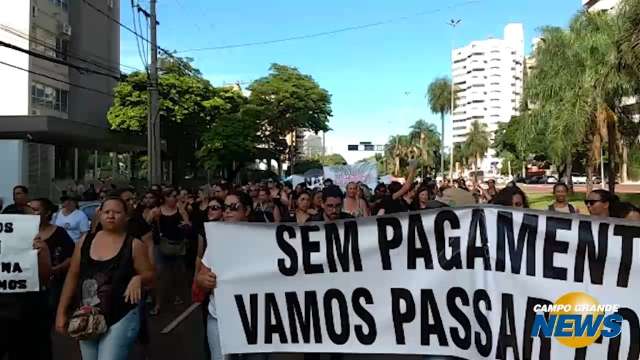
x,y
232,207
215,208
591,202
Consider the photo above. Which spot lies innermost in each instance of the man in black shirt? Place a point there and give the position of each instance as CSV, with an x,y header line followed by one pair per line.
x,y
20,204
332,198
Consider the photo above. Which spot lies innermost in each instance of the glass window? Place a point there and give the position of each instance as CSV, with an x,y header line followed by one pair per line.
x,y
64,100
49,97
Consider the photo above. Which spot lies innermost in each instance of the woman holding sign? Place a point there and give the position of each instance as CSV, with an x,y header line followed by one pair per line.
x,y
237,208
108,271
24,315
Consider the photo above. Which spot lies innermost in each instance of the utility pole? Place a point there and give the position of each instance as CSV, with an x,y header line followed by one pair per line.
x,y
453,23
155,160
154,150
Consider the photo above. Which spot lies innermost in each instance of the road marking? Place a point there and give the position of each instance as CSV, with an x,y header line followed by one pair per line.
x,y
179,319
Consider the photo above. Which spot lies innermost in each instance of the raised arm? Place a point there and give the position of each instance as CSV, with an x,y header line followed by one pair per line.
x,y
409,181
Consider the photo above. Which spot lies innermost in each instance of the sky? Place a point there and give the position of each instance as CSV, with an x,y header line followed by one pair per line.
x,y
377,75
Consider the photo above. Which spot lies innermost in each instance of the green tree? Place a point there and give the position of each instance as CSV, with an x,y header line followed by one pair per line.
x,y
288,100
477,144
230,143
332,159
578,87
399,150
427,139
439,95
189,106
628,41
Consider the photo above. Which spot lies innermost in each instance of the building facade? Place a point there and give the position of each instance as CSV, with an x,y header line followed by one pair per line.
x,y
488,75
52,116
600,5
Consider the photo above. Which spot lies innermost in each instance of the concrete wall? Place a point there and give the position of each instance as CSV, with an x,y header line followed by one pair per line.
x,y
13,167
96,38
14,83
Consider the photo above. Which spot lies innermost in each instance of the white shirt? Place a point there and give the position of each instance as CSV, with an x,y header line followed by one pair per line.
x,y
75,223
206,260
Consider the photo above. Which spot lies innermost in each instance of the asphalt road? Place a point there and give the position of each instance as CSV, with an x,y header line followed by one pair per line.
x,y
185,341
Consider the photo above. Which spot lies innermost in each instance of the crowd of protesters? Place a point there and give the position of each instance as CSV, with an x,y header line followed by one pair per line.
x,y
140,254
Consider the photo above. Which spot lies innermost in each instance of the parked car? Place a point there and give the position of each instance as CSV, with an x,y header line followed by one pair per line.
x,y
578,179
89,208
550,180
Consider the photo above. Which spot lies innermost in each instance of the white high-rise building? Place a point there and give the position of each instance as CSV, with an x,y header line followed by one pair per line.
x,y
488,77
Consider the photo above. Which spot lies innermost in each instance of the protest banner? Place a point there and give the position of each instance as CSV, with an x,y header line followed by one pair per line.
x,y
364,172
18,259
464,282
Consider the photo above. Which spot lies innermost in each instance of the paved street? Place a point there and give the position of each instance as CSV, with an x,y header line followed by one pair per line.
x,y
183,342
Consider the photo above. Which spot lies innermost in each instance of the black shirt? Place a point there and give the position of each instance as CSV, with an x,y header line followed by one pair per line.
x,y
394,206
13,209
320,216
138,227
61,248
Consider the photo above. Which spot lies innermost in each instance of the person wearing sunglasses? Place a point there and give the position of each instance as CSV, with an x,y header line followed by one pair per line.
x,y
237,208
599,202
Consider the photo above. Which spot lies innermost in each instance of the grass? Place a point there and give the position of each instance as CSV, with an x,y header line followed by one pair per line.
x,y
542,201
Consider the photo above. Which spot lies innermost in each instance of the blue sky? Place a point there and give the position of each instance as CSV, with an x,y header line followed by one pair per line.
x,y
377,76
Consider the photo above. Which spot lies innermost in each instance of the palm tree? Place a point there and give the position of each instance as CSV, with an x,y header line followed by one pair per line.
x,y
578,87
426,138
398,149
628,41
439,94
477,144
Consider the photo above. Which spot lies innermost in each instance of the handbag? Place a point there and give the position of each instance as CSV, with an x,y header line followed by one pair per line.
x,y
172,248
198,294
87,323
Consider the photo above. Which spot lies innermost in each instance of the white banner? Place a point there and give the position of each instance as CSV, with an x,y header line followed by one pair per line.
x,y
455,281
18,259
364,172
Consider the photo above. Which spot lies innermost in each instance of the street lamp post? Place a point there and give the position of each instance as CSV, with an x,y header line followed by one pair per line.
x,y
453,23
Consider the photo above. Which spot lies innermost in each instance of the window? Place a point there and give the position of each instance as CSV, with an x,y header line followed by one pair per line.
x,y
62,4
352,147
48,97
379,147
369,147
62,47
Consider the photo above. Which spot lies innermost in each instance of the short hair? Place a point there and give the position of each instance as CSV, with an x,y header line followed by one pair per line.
x,y
244,198
394,187
21,187
119,192
560,184
47,206
606,196
117,199
332,191
505,196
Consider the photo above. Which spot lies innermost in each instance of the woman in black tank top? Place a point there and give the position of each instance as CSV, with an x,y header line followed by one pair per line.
x,y
108,271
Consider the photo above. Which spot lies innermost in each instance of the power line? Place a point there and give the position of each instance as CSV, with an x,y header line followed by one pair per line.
x,y
58,80
57,61
168,53
330,32
67,53
139,46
